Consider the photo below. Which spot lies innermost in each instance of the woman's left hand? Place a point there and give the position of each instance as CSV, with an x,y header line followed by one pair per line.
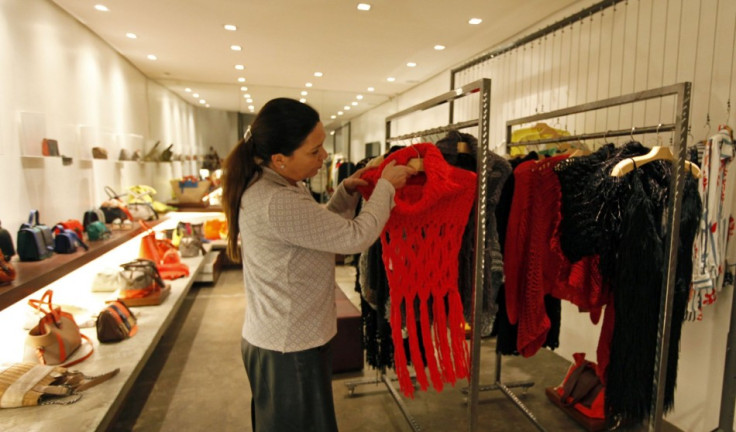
x,y
353,182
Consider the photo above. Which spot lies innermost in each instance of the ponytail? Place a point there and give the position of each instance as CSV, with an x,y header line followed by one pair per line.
x,y
279,128
240,170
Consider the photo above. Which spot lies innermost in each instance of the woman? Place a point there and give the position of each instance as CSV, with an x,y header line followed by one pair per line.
x,y
288,247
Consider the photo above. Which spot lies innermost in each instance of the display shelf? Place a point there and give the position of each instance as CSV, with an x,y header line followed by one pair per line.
x,y
97,408
32,276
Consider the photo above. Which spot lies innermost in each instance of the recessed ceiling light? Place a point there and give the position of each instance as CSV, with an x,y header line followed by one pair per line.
x,y
152,57
411,64
188,90
249,100
390,79
346,107
131,35
239,67
318,74
354,103
304,93
475,21
247,95
370,89
195,95
359,97
439,47
241,79
230,27
308,84
208,105
364,6
102,8
333,116
202,101
251,107
332,132
236,47
339,113
303,100
244,88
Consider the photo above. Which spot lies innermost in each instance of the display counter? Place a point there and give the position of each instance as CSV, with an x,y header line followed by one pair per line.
x,y
99,405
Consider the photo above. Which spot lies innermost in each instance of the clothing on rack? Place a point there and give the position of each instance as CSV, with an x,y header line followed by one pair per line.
x,y
716,188
505,332
421,243
497,171
621,220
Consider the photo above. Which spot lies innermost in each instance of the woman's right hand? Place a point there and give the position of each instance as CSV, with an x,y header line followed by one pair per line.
x,y
397,174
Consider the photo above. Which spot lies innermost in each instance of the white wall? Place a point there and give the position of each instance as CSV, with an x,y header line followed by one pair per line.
x,y
642,44
61,81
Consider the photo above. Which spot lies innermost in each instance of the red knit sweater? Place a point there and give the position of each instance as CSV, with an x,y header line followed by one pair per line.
x,y
421,243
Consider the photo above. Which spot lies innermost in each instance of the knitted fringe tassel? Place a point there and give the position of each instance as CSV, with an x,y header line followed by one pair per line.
x,y
440,335
402,371
416,351
460,351
429,351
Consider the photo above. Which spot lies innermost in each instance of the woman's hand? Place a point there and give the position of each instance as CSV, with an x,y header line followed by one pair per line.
x,y
353,182
397,174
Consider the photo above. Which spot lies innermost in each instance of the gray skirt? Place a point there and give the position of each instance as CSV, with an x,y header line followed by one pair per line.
x,y
291,391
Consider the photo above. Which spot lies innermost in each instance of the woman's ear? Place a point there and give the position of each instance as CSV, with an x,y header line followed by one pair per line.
x,y
277,159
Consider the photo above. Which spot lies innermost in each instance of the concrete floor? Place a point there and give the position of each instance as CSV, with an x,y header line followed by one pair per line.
x,y
195,380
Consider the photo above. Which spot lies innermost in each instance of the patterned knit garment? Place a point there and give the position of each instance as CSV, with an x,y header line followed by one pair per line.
x,y
421,243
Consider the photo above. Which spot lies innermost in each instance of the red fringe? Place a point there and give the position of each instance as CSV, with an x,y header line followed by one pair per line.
x,y
434,372
416,352
402,371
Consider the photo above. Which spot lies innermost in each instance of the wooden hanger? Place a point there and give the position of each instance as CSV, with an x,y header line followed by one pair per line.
x,y
417,163
463,147
656,153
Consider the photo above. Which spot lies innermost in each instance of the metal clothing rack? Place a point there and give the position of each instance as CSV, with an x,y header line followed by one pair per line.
x,y
680,127
483,87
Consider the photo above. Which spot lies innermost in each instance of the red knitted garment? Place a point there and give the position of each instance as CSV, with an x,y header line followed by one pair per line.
x,y
421,243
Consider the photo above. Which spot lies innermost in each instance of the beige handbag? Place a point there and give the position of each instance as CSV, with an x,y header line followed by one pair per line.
x,y
56,337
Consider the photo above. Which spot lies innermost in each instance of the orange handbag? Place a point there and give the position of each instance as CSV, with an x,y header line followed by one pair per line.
x,y
7,271
157,249
215,229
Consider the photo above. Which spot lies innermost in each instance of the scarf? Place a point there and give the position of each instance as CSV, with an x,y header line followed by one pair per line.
x,y
421,242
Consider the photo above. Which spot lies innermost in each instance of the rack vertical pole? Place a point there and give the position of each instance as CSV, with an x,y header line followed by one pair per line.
x,y
677,188
484,118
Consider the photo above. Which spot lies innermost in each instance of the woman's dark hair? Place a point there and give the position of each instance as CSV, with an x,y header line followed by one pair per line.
x,y
281,126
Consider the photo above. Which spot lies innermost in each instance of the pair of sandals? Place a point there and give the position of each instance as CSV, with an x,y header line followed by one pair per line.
x,y
118,224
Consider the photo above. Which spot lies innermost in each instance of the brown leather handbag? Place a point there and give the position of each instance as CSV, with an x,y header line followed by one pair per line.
x,y
7,271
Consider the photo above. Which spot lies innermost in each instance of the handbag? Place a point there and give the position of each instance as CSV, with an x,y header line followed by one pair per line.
x,y
139,279
107,280
142,211
98,231
582,389
66,240
92,215
56,336
6,243
115,323
74,225
30,384
35,241
167,154
99,153
215,229
49,147
7,271
163,253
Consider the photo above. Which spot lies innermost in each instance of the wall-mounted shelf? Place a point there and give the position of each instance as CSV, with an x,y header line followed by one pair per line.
x,y
34,275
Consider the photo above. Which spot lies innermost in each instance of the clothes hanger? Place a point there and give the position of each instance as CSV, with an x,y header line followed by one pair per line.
x,y
463,147
417,163
656,153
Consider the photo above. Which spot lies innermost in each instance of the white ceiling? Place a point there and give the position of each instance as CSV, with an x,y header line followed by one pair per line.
x,y
286,41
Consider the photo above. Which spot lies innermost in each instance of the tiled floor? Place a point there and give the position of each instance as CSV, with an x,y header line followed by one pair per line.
x,y
195,380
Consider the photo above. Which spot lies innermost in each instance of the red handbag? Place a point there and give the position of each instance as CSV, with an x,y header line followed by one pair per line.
x,y
582,389
74,225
